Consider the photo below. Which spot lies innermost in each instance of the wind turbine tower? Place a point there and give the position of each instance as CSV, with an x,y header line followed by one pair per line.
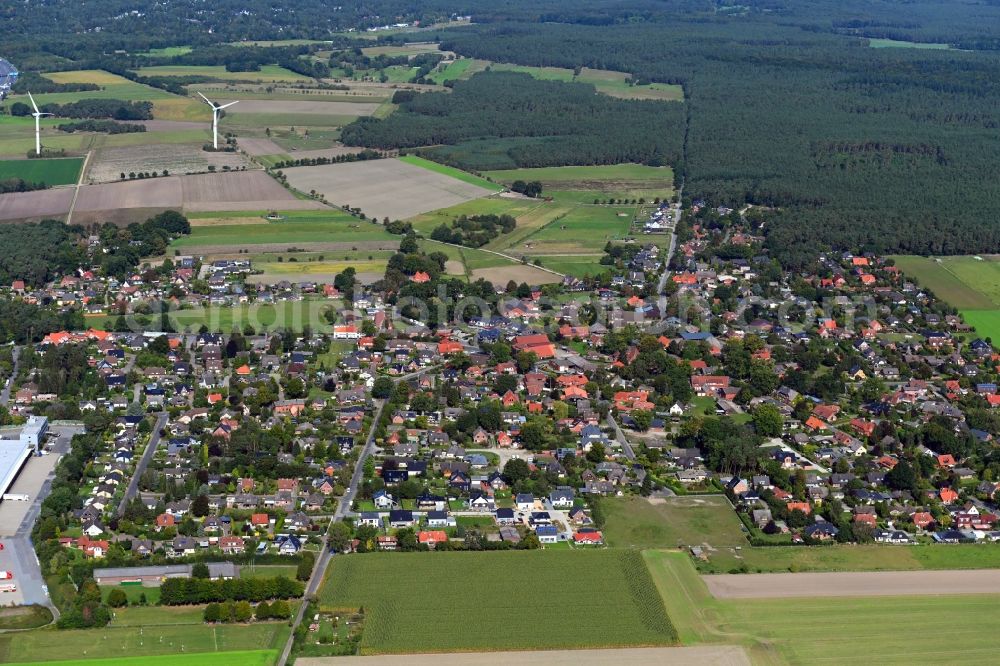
x,y
38,129
215,118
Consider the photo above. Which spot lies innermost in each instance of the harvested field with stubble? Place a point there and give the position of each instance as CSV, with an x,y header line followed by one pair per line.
x,y
177,159
709,655
244,190
257,147
501,275
853,584
26,206
384,188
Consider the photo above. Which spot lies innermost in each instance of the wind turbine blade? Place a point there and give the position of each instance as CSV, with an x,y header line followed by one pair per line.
x,y
33,102
207,100
225,106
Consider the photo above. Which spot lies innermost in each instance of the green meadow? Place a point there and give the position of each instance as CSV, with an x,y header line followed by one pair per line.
x,y
51,172
463,176
166,106
877,630
591,598
321,226
969,283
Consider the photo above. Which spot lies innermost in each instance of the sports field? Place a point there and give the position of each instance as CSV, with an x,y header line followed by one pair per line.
x,y
51,172
969,283
232,658
638,522
443,602
131,642
877,630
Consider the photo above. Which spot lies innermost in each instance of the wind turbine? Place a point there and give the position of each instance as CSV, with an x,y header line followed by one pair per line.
x,y
215,118
38,129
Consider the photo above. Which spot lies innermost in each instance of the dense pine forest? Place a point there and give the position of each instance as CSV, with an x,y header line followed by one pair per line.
x,y
500,120
885,149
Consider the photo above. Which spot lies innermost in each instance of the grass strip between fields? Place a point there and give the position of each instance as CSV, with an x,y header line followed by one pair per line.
x,y
458,174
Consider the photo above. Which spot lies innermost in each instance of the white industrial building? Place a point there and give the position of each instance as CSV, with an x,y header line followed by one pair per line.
x,y
15,452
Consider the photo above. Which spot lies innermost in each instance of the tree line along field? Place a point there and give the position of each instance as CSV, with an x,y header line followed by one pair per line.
x,y
970,284
64,171
499,600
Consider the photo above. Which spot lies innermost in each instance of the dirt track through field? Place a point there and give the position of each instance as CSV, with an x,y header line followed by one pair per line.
x,y
714,655
853,584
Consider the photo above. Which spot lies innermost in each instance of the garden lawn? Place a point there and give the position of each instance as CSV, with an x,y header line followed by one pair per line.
x,y
268,571
51,172
134,593
637,522
496,600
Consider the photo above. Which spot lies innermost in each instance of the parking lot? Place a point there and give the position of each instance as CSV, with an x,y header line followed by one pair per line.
x,y
18,517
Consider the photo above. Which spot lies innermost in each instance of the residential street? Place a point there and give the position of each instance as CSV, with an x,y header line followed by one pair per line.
x,y
5,393
620,436
154,442
343,509
18,518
